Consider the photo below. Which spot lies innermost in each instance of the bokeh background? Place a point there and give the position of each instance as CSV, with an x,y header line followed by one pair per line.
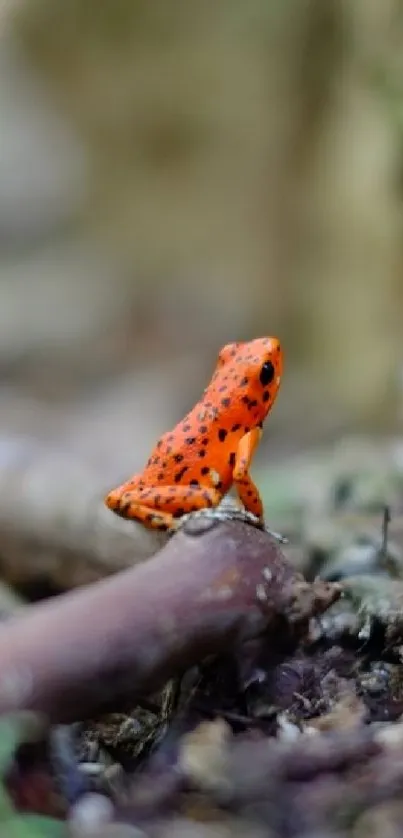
x,y
175,175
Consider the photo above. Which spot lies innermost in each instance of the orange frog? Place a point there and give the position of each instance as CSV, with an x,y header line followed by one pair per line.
x,y
194,465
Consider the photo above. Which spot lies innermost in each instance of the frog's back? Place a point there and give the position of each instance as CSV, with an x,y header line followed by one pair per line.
x,y
192,451
202,447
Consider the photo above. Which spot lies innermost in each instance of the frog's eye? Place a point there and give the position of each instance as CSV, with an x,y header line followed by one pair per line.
x,y
267,373
227,352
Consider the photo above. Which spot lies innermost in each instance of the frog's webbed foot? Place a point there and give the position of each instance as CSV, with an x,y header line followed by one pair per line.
x,y
229,509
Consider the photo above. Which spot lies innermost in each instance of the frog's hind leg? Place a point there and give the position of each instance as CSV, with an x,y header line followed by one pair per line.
x,y
156,520
157,508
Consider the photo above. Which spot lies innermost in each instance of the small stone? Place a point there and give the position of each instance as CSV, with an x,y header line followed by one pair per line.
x,y
89,813
203,756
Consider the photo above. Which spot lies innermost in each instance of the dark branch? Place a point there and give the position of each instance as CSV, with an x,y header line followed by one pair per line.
x,y
208,589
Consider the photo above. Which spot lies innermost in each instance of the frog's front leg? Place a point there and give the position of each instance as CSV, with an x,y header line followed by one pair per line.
x,y
243,483
158,507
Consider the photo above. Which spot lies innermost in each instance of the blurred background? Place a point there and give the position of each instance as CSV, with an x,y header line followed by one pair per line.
x,y
175,175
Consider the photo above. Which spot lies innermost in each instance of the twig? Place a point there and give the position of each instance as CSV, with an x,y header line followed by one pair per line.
x,y
385,526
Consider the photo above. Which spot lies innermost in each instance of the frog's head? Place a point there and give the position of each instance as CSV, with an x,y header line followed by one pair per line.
x,y
248,375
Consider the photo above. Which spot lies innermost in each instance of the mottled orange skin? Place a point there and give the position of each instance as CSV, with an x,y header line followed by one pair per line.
x,y
194,465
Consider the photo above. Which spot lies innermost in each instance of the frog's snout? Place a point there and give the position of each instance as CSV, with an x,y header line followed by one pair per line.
x,y
112,500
